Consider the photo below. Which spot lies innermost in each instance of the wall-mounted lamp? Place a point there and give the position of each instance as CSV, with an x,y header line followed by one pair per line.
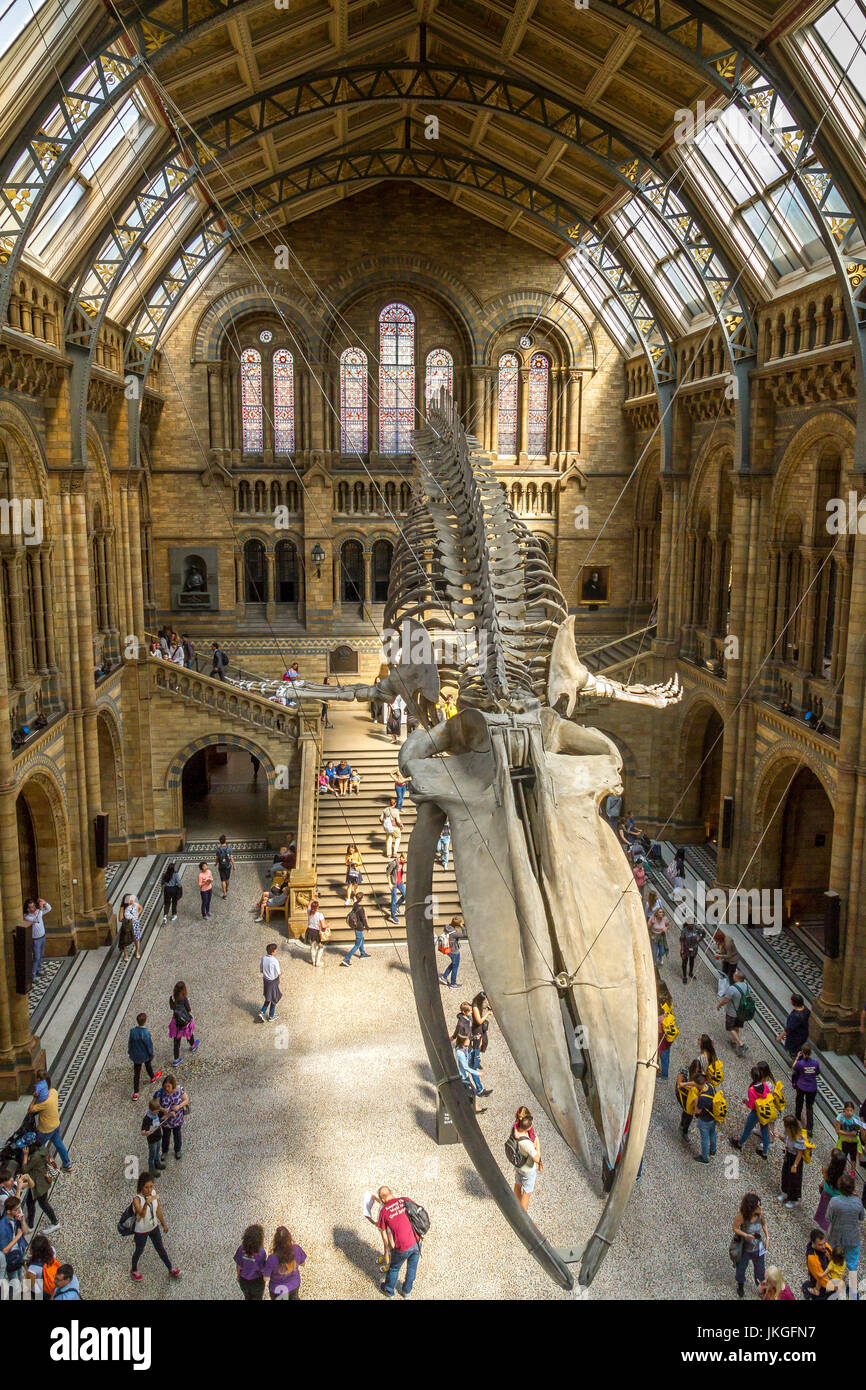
x,y
318,559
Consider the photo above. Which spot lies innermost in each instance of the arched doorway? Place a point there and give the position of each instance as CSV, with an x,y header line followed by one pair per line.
x,y
224,791
39,849
287,573
255,572
351,572
700,787
383,558
797,844
108,778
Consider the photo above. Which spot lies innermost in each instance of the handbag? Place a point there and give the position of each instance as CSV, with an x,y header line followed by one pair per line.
x,y
735,1249
126,1224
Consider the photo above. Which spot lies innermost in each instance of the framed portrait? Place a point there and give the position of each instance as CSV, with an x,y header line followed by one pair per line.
x,y
595,585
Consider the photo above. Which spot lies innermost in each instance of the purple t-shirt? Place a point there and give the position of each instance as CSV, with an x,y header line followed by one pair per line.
x,y
250,1268
283,1283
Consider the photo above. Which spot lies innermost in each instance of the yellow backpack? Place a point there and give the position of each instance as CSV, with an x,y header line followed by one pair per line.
x,y
669,1027
720,1106
765,1108
809,1149
779,1096
716,1072
687,1096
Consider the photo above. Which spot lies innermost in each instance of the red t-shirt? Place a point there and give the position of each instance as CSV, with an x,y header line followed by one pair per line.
x,y
393,1215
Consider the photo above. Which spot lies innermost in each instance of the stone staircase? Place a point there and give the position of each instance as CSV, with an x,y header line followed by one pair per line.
x,y
610,657
355,819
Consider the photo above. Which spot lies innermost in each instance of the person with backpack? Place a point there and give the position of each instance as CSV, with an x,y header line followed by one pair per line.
x,y
65,1285
397,878
225,864
13,1239
454,935
523,1151
151,1128
354,872
750,1242
42,1265
125,936
317,933
848,1126
761,1106
392,824
148,1215
804,1079
739,1005
357,920
706,1109
668,1032
400,1242
139,1049
130,923
711,1064
48,1122
219,662
461,1041
691,936
687,1086
172,892
182,1024
791,1183
37,1175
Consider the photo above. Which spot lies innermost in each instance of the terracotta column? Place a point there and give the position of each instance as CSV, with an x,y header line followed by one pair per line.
x,y
572,430
523,414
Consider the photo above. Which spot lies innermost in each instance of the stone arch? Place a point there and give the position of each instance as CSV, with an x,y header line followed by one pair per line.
x,y
242,301
403,274
705,481
44,803
28,454
829,426
701,746
174,770
793,806
526,306
112,780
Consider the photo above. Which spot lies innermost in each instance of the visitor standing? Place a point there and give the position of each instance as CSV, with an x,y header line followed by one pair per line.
x,y
844,1215
761,1106
397,878
271,971
443,844
727,954
392,824
705,1114
691,936
796,1029
282,1269
658,934
38,1173
357,920
172,892
225,864
139,1048
848,1126
317,933
804,1079
151,1128
125,936
48,1125
251,1257
523,1150
461,1041
173,1103
34,911
830,1173
354,872
148,1220
750,1243
182,1023
400,1243
131,912
481,1016
791,1184
205,886
400,784
454,935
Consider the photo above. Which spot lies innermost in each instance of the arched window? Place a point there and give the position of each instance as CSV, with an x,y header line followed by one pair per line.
x,y
276,496
440,374
353,401
286,572
255,573
251,401
396,379
284,402
383,558
244,503
342,497
506,439
536,404
351,572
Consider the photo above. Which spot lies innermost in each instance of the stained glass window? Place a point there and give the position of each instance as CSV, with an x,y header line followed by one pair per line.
x,y
506,439
251,401
440,373
396,379
353,401
284,402
536,404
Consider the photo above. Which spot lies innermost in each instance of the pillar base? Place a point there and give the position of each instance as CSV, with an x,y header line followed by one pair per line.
x,y
836,1029
18,1068
96,930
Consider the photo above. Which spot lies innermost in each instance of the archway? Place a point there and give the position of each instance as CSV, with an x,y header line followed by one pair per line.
x,y
383,558
108,776
797,844
351,572
700,782
225,784
255,572
39,848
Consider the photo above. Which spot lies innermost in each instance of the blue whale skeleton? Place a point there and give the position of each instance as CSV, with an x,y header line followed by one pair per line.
x,y
551,908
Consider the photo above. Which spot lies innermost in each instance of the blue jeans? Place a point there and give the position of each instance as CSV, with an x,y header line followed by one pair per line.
x,y
38,953
467,1069
659,949
358,946
452,967
707,1130
750,1124
664,1063
443,845
399,792
408,1257
56,1139
758,1262
398,890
